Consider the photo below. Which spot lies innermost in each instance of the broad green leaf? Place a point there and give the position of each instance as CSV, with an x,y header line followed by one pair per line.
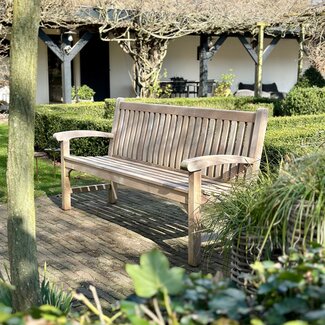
x,y
154,275
296,322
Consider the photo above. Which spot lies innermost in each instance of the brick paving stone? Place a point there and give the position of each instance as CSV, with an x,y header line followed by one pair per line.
x,y
90,244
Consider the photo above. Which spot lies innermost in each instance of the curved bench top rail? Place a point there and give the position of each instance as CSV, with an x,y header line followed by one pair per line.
x,y
241,116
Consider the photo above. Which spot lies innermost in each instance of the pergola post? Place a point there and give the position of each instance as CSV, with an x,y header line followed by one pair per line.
x,y
259,63
204,48
301,51
66,55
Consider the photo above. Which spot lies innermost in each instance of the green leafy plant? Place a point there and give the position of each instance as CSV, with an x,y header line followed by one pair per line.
x,y
168,295
55,296
5,290
292,289
83,92
156,90
224,84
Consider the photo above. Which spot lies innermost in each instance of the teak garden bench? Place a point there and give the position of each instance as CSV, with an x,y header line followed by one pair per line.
x,y
180,153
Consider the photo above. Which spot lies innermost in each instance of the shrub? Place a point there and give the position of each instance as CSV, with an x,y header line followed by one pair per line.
x,y
311,78
84,93
302,101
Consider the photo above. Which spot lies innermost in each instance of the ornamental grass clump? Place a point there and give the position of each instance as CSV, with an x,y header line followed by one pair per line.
x,y
233,219
295,202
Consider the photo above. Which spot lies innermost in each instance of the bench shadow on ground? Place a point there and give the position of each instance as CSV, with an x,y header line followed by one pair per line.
x,y
161,221
91,243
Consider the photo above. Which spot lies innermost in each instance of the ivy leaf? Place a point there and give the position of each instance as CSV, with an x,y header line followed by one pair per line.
x,y
154,275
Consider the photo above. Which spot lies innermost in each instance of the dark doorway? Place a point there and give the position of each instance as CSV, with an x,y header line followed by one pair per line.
x,y
94,65
55,74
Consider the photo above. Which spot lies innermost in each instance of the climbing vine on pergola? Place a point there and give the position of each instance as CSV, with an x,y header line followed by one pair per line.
x,y
144,28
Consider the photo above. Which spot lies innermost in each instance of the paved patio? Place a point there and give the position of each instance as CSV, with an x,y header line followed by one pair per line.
x,y
91,243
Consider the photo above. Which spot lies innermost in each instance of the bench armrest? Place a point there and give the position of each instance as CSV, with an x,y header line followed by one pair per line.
x,y
199,163
68,135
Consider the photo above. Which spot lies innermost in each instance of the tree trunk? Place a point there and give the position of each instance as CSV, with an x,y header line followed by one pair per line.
x,y
20,172
148,54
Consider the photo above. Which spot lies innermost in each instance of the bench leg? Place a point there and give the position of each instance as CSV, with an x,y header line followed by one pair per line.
x,y
194,216
66,188
112,193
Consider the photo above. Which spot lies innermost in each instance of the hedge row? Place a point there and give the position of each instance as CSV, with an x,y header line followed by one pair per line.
x,y
297,135
50,119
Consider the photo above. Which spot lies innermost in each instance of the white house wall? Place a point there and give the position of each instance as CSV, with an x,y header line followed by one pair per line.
x,y
42,94
181,61
120,72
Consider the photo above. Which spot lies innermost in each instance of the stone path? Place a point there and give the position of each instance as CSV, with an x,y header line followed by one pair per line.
x,y
91,243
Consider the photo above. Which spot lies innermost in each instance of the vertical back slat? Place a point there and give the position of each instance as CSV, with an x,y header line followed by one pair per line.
x,y
175,141
127,138
215,144
115,128
153,137
189,137
222,146
182,140
202,137
159,139
143,135
134,128
148,136
171,133
123,133
196,136
139,133
230,148
163,145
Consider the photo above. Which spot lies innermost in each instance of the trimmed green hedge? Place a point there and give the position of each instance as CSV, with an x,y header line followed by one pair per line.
x,y
50,119
297,135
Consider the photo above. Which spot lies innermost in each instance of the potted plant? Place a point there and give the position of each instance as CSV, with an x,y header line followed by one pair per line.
x,y
223,88
83,93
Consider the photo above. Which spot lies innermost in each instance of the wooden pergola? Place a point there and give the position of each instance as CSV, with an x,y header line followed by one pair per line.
x,y
66,53
258,55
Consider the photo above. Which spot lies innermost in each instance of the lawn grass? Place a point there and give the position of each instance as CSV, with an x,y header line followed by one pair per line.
x,y
48,181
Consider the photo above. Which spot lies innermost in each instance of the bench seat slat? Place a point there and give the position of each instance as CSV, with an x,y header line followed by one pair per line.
x,y
177,181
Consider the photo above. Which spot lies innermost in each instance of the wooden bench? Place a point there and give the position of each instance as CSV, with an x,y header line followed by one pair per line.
x,y
181,153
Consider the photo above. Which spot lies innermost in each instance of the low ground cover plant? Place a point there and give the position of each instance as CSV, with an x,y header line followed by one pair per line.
x,y
290,292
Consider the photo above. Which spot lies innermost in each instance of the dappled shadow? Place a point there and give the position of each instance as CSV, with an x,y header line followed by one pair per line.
x,y
92,242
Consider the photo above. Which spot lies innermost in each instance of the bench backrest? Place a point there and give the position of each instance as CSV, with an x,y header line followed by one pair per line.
x,y
166,135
